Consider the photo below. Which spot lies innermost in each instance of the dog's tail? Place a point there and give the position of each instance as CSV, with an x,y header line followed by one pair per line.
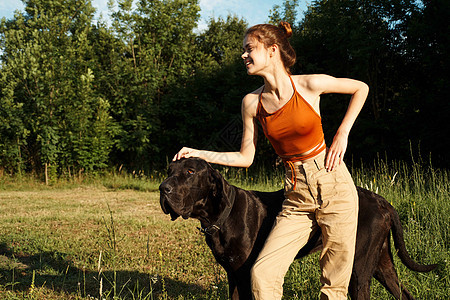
x,y
399,243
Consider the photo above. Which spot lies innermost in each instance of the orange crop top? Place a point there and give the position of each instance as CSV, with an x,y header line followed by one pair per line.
x,y
295,130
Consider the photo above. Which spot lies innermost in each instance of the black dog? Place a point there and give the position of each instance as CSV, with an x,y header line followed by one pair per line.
x,y
236,223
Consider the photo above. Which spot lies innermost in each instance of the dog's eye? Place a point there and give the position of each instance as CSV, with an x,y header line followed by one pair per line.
x,y
190,172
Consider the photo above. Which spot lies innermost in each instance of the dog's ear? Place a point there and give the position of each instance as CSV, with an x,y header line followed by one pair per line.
x,y
221,189
217,183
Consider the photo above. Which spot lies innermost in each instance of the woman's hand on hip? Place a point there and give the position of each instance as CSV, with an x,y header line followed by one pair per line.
x,y
335,155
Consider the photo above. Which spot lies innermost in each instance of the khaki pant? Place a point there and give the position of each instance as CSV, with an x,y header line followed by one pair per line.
x,y
321,199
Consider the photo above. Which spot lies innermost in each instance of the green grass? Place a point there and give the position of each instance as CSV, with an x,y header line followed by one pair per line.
x,y
106,237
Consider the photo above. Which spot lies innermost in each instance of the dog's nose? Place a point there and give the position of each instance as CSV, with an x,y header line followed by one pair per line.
x,y
165,188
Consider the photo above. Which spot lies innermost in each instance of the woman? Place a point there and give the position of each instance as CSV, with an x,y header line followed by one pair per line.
x,y
319,190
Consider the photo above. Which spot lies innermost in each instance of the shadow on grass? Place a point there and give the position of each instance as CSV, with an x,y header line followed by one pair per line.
x,y
55,271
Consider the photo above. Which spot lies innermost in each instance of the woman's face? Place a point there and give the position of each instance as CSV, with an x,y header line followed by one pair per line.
x,y
255,55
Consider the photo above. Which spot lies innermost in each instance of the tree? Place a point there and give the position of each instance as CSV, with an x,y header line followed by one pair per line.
x,y
154,49
46,61
196,112
13,132
364,40
288,14
425,101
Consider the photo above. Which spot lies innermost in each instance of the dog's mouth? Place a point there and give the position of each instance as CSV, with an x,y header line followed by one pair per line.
x,y
169,210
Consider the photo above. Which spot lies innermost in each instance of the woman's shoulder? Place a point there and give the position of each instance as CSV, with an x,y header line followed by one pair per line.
x,y
250,102
310,81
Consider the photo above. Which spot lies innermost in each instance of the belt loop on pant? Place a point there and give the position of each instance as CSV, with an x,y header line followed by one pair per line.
x,y
317,165
293,175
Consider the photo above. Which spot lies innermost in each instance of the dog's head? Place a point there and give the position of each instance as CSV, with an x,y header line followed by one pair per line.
x,y
190,185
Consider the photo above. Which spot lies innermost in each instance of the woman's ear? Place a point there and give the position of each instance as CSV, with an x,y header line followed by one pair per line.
x,y
273,50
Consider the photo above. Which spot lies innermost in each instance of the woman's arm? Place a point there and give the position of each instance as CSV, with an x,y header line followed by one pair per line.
x,y
242,158
324,84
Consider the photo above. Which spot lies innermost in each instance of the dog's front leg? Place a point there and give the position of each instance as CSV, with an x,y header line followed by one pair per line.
x,y
232,288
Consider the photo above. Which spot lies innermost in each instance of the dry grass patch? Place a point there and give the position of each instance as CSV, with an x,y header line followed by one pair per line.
x,y
89,240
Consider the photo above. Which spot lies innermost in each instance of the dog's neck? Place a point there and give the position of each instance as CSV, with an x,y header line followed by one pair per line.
x,y
211,228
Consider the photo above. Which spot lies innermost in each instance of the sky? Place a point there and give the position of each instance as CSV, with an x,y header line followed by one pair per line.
x,y
253,11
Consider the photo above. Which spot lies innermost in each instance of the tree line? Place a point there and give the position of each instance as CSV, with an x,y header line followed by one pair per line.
x,y
80,96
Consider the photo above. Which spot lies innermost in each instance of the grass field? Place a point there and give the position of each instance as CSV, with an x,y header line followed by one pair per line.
x,y
107,238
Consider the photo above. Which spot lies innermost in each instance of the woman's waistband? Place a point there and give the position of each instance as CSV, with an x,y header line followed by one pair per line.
x,y
316,162
311,155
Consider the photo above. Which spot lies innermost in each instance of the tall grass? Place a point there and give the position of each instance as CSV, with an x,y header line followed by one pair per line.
x,y
105,237
419,193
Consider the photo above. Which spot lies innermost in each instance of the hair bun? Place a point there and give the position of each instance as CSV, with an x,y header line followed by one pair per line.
x,y
286,27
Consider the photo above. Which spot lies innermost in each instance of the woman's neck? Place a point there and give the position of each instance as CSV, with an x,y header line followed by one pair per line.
x,y
278,84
